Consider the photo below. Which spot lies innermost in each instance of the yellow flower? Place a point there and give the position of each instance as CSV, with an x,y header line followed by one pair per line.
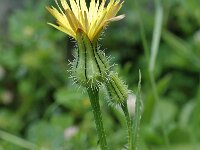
x,y
91,20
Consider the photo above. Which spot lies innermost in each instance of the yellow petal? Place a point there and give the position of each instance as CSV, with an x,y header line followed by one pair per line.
x,y
62,19
110,4
74,7
77,16
81,18
59,7
95,28
112,11
83,6
101,7
71,20
117,18
86,23
91,9
64,4
65,30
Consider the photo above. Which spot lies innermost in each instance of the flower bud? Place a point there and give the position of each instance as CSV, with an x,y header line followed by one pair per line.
x,y
90,66
116,89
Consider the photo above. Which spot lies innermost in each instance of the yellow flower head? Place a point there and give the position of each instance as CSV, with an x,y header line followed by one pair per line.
x,y
90,20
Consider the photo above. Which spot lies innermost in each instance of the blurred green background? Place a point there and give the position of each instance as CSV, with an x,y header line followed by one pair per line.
x,y
39,104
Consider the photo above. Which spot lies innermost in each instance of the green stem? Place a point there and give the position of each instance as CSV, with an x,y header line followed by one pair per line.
x,y
129,125
94,100
16,140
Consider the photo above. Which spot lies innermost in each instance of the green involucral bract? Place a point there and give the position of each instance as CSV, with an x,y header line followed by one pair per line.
x,y
117,89
90,67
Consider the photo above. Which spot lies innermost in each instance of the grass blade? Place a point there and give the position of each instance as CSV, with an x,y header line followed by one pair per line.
x,y
138,114
156,36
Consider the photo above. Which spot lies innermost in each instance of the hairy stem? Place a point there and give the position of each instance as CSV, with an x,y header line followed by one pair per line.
x,y
129,125
94,100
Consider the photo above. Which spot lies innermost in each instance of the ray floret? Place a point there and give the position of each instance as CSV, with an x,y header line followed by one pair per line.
x,y
72,15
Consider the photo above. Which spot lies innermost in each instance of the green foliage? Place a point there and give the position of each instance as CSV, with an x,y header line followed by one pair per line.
x,y
39,104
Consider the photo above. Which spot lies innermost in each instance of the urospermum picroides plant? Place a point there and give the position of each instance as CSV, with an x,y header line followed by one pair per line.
x,y
91,68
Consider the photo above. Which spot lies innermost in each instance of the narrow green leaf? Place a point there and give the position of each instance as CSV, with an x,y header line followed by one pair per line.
x,y
138,114
156,37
